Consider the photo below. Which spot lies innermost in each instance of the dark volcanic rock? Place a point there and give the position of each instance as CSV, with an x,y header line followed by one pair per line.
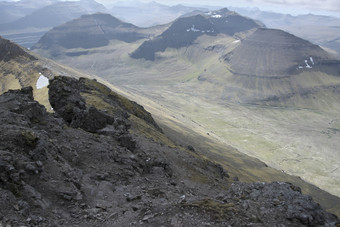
x,y
66,100
55,175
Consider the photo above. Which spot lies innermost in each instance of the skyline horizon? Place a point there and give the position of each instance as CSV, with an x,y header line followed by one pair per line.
x,y
295,8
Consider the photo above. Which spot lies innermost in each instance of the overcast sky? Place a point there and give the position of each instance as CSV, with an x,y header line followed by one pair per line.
x,y
328,7
331,7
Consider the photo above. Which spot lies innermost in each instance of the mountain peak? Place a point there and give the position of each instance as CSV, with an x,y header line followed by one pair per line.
x,y
89,31
185,30
289,54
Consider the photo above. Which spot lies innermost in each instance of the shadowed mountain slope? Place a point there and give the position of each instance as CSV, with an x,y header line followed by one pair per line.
x,y
185,30
89,31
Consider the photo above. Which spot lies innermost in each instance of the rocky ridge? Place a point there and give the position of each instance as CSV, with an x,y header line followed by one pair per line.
x,y
85,166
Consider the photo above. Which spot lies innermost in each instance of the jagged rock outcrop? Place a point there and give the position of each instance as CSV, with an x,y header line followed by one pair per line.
x,y
54,173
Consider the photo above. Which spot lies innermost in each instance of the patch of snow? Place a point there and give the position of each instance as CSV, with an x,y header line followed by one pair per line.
x,y
307,65
311,59
236,41
300,67
42,81
193,29
216,16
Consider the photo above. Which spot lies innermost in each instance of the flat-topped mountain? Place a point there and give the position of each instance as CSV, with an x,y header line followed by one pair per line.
x,y
275,53
319,29
185,30
89,31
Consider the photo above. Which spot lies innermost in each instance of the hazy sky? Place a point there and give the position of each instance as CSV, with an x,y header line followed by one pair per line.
x,y
331,7
328,7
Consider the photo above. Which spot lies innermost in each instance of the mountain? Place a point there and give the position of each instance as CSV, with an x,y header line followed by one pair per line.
x,y
13,10
77,37
28,29
185,30
275,101
150,13
100,154
290,57
89,31
321,30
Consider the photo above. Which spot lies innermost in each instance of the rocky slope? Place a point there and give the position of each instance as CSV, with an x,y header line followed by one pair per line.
x,y
184,31
85,166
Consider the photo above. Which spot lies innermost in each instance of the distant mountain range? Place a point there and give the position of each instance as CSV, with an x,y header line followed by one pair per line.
x,y
149,14
13,10
29,29
89,31
321,30
26,21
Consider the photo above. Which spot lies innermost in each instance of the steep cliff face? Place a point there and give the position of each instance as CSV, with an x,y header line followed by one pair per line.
x,y
85,166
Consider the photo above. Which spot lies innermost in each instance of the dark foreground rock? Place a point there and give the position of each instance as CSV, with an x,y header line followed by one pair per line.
x,y
82,166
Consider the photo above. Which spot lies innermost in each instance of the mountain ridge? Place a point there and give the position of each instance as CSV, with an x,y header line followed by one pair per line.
x,y
90,31
185,30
